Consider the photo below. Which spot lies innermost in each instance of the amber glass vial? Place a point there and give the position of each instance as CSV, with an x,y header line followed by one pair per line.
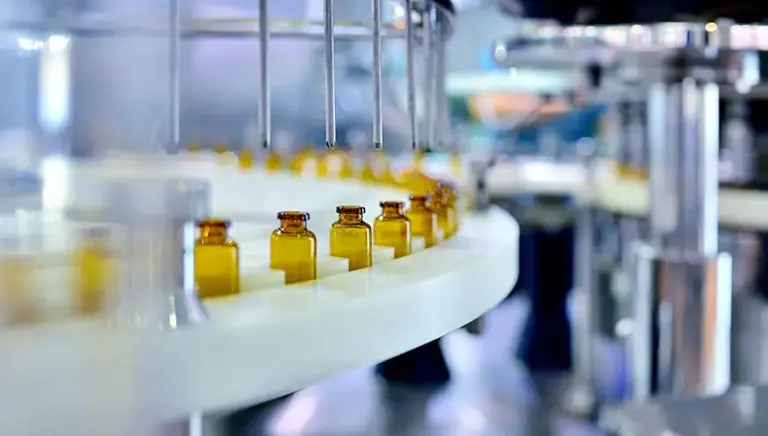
x,y
245,159
346,171
423,219
392,228
18,282
367,173
351,237
94,272
273,162
444,204
293,248
220,148
217,260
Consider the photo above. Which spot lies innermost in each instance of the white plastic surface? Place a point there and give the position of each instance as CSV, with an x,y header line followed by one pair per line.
x,y
738,208
80,377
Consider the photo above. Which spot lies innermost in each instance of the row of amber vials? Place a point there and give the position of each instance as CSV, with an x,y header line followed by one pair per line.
x,y
94,275
374,168
293,248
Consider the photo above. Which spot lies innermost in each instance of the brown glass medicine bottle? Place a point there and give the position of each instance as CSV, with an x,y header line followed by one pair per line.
x,y
450,199
392,228
446,217
351,237
423,219
293,248
217,260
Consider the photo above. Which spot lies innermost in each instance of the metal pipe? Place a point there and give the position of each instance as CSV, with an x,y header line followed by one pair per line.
x,y
442,126
377,105
582,396
174,133
427,26
411,74
211,28
265,98
330,81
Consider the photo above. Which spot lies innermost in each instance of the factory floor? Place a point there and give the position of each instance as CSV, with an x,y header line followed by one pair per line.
x,y
490,394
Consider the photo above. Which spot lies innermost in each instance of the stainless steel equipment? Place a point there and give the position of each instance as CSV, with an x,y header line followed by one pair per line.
x,y
195,72
671,78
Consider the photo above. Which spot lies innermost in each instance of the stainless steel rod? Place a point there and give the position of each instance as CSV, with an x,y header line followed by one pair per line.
x,y
174,130
443,127
265,98
307,29
429,75
411,74
377,105
330,80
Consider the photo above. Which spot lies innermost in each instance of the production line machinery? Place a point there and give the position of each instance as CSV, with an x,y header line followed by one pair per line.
x,y
111,88
678,174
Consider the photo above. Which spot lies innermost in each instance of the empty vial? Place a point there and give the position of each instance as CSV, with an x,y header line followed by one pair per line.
x,y
293,248
346,171
351,237
383,168
451,200
245,159
273,162
456,163
94,272
418,158
392,228
220,148
17,288
217,260
423,219
446,213
367,171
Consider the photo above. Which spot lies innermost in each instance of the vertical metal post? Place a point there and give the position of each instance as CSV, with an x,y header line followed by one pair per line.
x,y
681,341
330,80
428,36
377,105
411,74
442,124
174,116
265,98
582,399
739,142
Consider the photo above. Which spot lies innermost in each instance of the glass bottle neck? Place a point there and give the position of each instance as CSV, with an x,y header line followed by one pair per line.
x,y
293,225
392,211
350,218
418,204
213,233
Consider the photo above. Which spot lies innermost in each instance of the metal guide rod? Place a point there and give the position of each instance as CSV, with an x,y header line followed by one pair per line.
x,y
174,130
411,74
377,106
265,98
429,74
330,81
441,99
